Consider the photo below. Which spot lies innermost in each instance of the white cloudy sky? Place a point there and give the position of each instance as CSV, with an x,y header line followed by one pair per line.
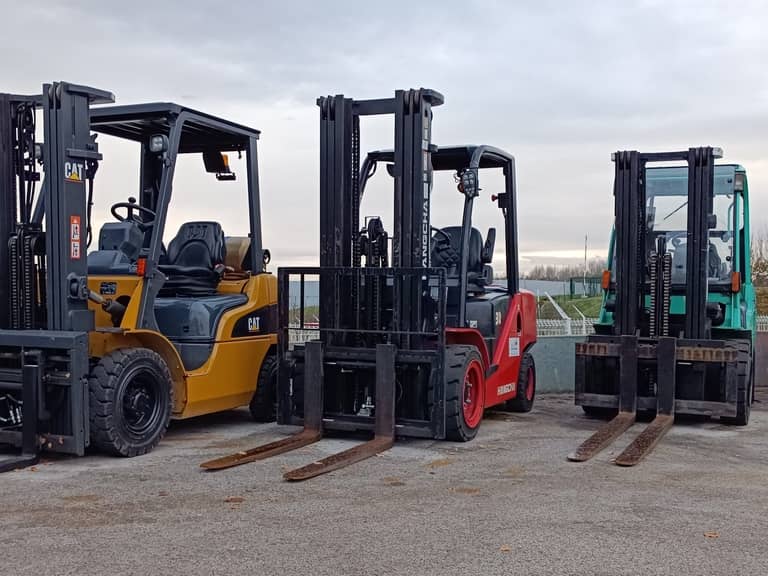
x,y
559,84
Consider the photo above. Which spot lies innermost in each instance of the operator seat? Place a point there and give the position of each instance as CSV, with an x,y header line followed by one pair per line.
x,y
680,263
448,255
481,305
194,264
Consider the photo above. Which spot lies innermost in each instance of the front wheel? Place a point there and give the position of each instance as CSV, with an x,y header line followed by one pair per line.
x,y
131,397
263,404
464,392
745,377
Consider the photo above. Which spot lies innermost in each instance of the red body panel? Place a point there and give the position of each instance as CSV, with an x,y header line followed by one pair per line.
x,y
517,334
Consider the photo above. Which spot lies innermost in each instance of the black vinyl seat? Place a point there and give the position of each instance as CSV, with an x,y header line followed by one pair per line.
x,y
194,263
448,255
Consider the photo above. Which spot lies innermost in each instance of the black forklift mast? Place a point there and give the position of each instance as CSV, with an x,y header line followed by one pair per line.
x,y
630,247
340,196
70,151
17,172
44,324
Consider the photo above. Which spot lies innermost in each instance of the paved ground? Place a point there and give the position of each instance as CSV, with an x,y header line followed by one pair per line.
x,y
507,503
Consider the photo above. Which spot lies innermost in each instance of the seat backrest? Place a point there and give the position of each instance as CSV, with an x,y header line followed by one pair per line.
x,y
237,253
449,256
198,245
679,263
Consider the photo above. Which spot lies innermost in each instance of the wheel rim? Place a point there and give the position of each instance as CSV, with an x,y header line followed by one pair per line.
x,y
141,403
530,387
473,394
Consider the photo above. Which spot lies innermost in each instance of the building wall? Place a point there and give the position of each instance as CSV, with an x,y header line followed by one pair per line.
x,y
554,358
555,364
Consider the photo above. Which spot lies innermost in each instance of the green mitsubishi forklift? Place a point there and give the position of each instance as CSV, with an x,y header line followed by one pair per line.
x,y
677,326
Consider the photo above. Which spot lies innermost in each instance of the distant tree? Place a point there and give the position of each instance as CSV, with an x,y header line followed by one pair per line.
x,y
759,256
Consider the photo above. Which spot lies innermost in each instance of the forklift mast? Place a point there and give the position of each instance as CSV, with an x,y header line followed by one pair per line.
x,y
630,247
70,156
17,173
340,197
45,314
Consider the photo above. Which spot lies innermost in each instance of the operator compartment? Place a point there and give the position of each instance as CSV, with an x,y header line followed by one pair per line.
x,y
189,307
485,304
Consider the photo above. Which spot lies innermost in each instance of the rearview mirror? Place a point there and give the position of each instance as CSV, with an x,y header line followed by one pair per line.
x,y
218,163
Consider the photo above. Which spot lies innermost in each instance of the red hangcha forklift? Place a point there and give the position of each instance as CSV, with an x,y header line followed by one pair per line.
x,y
415,338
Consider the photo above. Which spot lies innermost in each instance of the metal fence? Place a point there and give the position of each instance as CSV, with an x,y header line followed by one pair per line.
x,y
545,327
565,326
582,327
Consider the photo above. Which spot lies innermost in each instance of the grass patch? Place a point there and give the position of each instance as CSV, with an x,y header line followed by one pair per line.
x,y
590,307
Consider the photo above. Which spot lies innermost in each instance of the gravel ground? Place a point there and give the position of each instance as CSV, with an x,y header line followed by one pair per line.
x,y
507,503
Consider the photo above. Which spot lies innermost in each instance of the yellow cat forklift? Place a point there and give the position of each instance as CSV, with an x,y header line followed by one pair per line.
x,y
104,347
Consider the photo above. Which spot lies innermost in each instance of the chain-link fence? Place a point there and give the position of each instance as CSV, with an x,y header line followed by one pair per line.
x,y
565,326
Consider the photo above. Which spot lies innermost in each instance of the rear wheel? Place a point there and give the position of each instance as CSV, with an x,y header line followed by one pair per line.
x,y
526,386
263,405
131,397
745,383
464,392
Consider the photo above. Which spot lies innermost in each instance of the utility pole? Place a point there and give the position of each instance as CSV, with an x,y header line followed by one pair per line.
x,y
584,295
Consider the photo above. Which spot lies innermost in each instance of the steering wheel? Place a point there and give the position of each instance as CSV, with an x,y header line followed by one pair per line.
x,y
442,233
143,223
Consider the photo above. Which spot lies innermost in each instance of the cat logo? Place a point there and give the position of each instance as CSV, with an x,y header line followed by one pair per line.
x,y
73,171
254,324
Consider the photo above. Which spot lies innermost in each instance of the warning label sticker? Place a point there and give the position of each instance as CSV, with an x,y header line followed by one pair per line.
x,y
74,237
514,346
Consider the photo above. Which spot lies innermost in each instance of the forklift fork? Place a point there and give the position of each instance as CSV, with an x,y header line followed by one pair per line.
x,y
666,352
606,434
384,428
642,445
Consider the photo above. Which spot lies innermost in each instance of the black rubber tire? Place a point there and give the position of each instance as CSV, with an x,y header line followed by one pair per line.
x,y
745,390
113,376
457,360
599,412
263,404
520,402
